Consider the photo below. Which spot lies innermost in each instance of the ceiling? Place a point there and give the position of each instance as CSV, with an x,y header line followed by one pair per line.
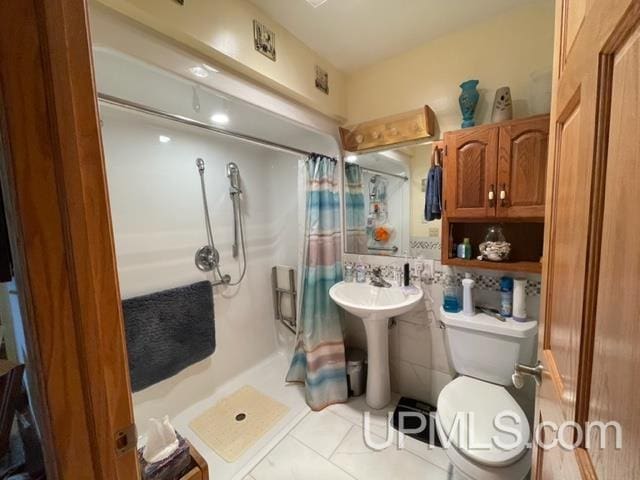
x,y
354,33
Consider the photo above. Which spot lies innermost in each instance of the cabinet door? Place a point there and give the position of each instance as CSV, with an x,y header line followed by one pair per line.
x,y
522,167
470,172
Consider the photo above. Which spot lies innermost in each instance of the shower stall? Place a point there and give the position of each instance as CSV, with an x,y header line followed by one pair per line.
x,y
203,186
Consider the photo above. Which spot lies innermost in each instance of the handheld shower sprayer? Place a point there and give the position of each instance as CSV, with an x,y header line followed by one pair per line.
x,y
233,174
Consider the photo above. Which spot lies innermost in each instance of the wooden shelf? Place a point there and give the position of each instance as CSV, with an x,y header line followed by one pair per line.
x,y
198,469
529,267
385,132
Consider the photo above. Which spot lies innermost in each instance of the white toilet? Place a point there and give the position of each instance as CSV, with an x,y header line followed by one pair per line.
x,y
484,351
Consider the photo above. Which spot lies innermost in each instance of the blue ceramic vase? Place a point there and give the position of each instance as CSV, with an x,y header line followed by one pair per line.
x,y
468,101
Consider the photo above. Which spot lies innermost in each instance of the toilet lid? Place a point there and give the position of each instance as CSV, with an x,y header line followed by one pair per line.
x,y
483,421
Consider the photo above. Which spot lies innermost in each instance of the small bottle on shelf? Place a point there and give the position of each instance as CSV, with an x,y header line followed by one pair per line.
x,y
467,248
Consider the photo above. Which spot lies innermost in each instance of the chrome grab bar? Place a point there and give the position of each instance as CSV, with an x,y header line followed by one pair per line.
x,y
393,249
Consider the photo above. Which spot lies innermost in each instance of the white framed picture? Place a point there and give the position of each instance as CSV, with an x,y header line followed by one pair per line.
x,y
322,80
264,40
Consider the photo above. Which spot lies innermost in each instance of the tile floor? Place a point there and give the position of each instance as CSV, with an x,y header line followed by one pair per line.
x,y
330,445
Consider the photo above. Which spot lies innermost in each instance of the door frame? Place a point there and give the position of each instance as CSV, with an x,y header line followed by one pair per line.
x,y
54,185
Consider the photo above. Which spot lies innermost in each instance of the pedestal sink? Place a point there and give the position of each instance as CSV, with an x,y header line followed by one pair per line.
x,y
375,306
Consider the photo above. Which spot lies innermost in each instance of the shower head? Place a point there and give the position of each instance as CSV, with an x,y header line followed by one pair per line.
x,y
200,165
233,174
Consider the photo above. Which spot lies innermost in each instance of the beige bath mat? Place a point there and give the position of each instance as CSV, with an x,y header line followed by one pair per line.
x,y
238,421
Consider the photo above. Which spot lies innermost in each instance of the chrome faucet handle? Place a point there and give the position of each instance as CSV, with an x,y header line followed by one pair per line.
x,y
377,280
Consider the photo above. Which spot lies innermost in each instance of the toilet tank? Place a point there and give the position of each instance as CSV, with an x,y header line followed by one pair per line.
x,y
486,348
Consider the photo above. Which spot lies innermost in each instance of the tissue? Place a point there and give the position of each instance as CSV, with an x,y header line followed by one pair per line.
x,y
161,441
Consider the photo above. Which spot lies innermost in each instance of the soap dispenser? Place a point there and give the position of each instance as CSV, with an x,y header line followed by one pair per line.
x,y
468,307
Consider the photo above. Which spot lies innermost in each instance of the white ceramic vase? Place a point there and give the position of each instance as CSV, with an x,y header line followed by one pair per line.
x,y
502,105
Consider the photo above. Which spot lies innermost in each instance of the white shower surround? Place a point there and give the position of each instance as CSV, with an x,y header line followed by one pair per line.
x,y
158,225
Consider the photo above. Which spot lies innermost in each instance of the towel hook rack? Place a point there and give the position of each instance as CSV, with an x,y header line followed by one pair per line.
x,y
436,155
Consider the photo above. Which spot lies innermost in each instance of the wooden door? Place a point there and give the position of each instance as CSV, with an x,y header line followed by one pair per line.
x,y
470,172
522,167
55,193
589,329
616,352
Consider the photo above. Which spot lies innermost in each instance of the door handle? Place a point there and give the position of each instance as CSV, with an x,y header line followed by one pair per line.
x,y
503,195
492,195
521,370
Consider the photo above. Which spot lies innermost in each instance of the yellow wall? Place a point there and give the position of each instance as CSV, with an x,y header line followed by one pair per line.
x,y
503,51
223,30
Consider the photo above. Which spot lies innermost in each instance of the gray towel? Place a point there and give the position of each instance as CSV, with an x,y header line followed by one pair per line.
x,y
433,194
168,331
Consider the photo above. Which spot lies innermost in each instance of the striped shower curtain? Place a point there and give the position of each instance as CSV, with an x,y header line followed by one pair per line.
x,y
319,358
355,219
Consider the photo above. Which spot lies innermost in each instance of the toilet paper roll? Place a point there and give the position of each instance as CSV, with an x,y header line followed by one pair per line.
x,y
519,299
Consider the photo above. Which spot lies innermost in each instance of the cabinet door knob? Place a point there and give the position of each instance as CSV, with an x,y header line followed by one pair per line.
x,y
503,195
492,195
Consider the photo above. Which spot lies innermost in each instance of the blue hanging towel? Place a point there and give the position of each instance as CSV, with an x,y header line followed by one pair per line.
x,y
433,196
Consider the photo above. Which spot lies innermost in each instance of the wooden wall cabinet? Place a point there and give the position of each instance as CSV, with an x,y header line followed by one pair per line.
x,y
496,174
497,171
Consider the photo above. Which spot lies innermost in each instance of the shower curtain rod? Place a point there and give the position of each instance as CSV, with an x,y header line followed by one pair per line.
x,y
138,107
380,172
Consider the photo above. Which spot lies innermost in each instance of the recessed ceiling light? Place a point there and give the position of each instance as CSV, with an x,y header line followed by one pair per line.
x,y
315,3
210,68
164,139
199,72
221,118
351,158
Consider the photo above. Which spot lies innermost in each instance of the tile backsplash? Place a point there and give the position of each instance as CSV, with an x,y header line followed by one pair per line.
x,y
428,247
485,280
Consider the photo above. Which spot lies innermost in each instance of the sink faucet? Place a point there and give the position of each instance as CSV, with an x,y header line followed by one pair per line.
x,y
377,280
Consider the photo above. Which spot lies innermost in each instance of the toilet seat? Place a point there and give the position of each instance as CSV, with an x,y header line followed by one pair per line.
x,y
474,404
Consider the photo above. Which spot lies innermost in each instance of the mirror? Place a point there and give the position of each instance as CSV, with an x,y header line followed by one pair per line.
x,y
384,196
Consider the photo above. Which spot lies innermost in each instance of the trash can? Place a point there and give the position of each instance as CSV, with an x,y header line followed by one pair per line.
x,y
356,378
